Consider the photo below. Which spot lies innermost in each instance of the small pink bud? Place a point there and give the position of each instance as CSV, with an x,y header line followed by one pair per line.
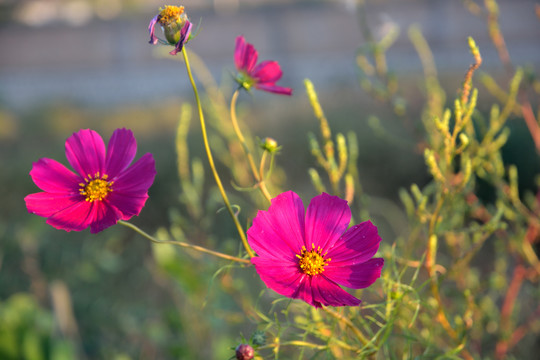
x,y
244,352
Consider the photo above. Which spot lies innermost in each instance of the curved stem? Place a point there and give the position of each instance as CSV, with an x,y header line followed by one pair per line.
x,y
182,244
299,343
261,167
349,324
258,177
211,159
430,267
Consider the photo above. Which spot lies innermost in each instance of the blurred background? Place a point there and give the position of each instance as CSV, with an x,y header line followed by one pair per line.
x,y
72,64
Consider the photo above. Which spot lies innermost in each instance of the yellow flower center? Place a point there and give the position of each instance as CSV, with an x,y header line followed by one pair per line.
x,y
170,14
312,262
95,187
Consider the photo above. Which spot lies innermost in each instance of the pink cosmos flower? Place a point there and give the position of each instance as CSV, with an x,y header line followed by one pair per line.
x,y
262,76
307,256
104,188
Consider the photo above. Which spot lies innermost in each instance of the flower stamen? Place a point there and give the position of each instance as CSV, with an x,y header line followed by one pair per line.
x,y
312,262
96,187
170,14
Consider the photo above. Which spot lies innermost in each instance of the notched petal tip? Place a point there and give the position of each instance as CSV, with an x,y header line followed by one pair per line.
x,y
85,151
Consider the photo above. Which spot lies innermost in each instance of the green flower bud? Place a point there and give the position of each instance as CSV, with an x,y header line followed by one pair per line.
x,y
270,145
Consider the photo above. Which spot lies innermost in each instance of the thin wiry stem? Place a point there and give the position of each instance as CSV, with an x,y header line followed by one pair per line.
x,y
430,267
258,177
211,159
182,244
349,324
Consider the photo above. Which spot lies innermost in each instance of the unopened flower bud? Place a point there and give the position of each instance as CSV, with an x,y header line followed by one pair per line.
x,y
259,338
244,352
270,145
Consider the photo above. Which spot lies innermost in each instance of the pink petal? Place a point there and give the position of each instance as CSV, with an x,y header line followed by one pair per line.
x,y
270,87
357,276
281,276
103,216
151,30
46,204
51,176
245,55
120,152
138,178
85,152
184,37
327,218
305,292
75,217
128,205
267,72
239,52
278,233
356,246
328,293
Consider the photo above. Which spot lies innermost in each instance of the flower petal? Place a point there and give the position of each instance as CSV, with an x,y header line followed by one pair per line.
x,y
267,72
184,37
356,246
103,216
136,179
120,152
85,152
327,218
285,279
245,55
151,30
51,176
328,293
128,205
278,233
281,276
46,204
239,48
75,217
270,87
357,276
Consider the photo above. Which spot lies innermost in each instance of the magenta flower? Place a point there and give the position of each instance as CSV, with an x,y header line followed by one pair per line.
x,y
103,190
176,27
308,256
262,76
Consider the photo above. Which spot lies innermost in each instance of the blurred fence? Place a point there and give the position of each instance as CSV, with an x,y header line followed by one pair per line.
x,y
107,62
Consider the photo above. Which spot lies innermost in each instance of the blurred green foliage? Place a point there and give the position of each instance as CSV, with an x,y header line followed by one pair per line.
x,y
27,331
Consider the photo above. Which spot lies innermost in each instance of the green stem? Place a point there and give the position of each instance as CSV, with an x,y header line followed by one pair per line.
x,y
430,267
211,159
182,244
258,177
261,167
349,324
276,345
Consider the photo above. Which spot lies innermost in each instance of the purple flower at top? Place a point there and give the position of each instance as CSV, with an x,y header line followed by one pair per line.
x,y
307,255
176,27
262,76
103,189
